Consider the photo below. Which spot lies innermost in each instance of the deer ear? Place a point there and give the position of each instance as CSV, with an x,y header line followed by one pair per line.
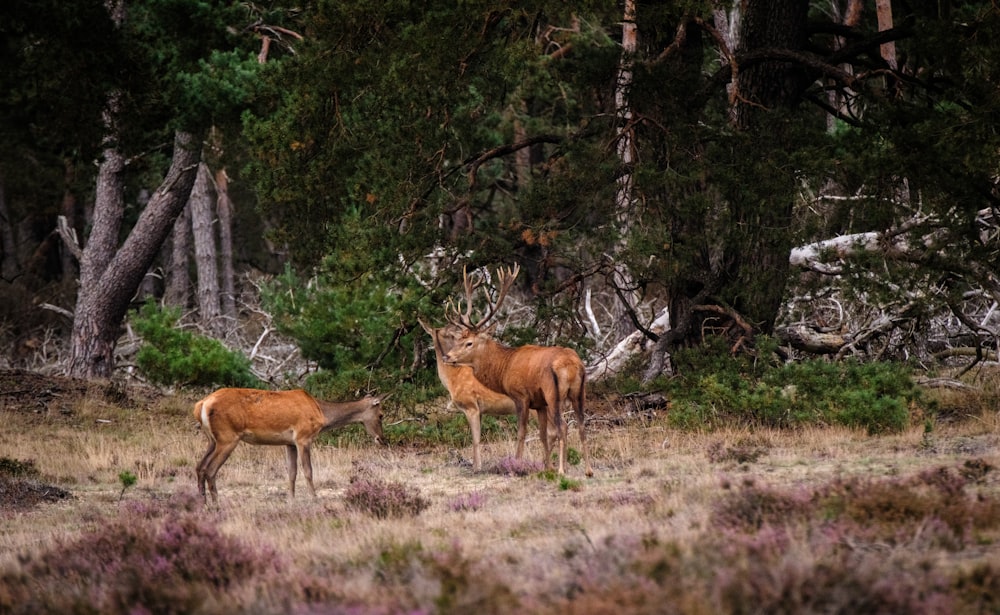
x,y
426,326
490,330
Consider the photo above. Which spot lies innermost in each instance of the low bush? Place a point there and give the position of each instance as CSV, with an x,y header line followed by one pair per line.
x,y
716,389
151,558
15,468
170,355
383,499
511,466
848,546
468,502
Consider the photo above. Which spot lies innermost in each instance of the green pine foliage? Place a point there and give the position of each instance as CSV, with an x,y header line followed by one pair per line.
x,y
716,389
171,355
355,328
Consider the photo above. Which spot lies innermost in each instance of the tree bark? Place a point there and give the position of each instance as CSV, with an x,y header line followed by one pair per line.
x,y
203,231
109,278
67,209
763,221
224,209
10,267
883,9
625,148
178,289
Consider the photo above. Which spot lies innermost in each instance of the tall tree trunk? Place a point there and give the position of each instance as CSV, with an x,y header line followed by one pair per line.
x,y
883,9
224,208
625,188
178,288
109,278
203,231
67,210
747,229
759,250
10,266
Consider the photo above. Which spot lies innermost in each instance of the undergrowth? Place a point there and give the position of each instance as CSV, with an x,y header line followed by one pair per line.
x,y
170,355
715,388
152,558
383,499
847,545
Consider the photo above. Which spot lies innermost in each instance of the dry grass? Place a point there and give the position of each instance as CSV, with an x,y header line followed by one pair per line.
x,y
528,542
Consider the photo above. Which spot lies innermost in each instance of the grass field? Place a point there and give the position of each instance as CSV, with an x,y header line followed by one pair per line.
x,y
820,520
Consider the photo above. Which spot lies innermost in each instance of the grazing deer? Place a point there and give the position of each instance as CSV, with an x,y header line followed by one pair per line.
x,y
289,418
472,397
539,377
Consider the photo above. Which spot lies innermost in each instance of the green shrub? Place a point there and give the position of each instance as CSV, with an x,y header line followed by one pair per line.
x,y
715,388
170,355
353,328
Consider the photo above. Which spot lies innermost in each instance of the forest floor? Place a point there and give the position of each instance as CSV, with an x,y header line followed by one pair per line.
x,y
814,520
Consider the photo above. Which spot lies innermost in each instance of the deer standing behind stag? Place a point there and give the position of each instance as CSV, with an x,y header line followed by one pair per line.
x,y
543,378
472,397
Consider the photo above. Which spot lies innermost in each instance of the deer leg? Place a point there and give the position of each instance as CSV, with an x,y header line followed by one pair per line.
x,y
307,466
543,435
582,428
291,462
202,465
522,427
213,461
473,415
560,427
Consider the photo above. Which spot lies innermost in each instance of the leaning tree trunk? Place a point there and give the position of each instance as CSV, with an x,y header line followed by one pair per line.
x,y
109,277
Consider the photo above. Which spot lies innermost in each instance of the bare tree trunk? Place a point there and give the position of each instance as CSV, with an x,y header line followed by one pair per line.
x,y
67,209
850,17
625,148
109,208
522,157
10,265
888,50
109,278
203,231
760,249
224,208
178,290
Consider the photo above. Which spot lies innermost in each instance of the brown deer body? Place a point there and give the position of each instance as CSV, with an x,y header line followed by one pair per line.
x,y
472,397
289,418
540,377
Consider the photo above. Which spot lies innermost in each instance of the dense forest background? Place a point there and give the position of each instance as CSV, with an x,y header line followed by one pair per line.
x,y
822,175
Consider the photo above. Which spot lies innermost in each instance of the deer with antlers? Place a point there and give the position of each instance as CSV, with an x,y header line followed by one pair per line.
x,y
472,397
540,377
289,418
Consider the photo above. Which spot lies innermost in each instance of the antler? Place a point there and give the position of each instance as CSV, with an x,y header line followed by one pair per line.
x,y
451,309
505,279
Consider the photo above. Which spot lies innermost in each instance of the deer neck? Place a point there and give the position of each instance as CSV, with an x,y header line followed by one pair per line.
x,y
490,365
339,414
445,371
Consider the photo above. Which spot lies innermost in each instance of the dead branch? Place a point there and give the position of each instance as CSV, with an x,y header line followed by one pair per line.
x,y
807,339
